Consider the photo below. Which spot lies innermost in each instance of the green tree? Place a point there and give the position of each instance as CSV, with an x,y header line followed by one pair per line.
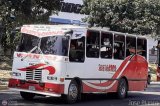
x,y
129,16
14,13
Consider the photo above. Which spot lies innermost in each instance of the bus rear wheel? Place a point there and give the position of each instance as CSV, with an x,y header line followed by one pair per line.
x,y
27,95
122,89
73,93
149,79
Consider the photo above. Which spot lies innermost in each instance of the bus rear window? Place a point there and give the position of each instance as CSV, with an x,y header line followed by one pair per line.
x,y
119,46
131,45
142,46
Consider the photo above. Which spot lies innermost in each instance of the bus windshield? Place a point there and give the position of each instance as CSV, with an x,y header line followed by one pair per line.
x,y
55,45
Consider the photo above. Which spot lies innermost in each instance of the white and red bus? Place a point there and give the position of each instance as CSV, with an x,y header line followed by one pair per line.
x,y
67,60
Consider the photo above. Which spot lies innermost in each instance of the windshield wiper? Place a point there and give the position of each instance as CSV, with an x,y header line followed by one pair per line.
x,y
29,52
34,48
39,50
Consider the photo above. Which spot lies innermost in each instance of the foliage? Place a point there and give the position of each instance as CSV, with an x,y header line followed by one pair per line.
x,y
14,13
129,16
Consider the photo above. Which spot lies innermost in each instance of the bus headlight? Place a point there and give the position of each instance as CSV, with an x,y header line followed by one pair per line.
x,y
16,74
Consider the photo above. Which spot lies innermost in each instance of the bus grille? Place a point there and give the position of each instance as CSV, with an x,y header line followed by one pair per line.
x,y
34,75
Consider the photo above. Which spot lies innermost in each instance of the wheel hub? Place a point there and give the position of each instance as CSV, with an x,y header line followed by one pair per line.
x,y
73,92
123,89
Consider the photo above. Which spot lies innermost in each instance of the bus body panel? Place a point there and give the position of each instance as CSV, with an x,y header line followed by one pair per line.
x,y
96,80
94,71
32,72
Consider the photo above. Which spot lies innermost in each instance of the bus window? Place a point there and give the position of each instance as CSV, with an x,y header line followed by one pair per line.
x,y
92,49
131,45
77,50
119,46
142,46
106,45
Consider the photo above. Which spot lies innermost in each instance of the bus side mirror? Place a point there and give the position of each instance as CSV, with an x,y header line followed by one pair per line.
x,y
158,46
69,33
153,50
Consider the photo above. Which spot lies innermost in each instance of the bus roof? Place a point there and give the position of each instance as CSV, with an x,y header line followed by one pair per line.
x,y
41,30
47,30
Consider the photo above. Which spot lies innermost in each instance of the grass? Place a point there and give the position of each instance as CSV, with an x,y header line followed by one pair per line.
x,y
5,72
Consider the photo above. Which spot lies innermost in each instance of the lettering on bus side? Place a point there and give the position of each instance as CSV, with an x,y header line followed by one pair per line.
x,y
35,56
108,67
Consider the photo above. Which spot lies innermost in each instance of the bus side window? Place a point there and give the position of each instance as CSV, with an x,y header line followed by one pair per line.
x,y
92,49
106,45
77,50
131,45
119,46
142,46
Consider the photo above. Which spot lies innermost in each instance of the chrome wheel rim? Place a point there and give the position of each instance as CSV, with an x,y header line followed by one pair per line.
x,y
73,91
122,89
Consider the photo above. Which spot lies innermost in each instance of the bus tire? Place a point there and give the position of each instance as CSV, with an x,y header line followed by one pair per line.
x,y
27,95
148,79
73,93
122,89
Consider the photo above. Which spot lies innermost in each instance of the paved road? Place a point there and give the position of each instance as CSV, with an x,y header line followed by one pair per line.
x,y
150,97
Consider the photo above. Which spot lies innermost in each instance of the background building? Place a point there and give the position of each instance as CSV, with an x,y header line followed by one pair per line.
x,y
69,13
152,43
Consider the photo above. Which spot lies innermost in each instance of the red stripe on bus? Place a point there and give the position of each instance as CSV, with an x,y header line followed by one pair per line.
x,y
33,67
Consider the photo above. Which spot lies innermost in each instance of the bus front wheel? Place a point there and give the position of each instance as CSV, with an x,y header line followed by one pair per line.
x,y
27,95
73,93
122,89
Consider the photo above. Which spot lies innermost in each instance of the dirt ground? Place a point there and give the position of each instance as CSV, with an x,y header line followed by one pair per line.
x,y
5,69
4,77
153,68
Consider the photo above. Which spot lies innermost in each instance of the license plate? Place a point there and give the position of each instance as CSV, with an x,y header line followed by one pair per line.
x,y
32,88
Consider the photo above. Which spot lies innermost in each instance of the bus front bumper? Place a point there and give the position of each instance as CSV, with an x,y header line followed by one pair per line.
x,y
48,89
36,92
